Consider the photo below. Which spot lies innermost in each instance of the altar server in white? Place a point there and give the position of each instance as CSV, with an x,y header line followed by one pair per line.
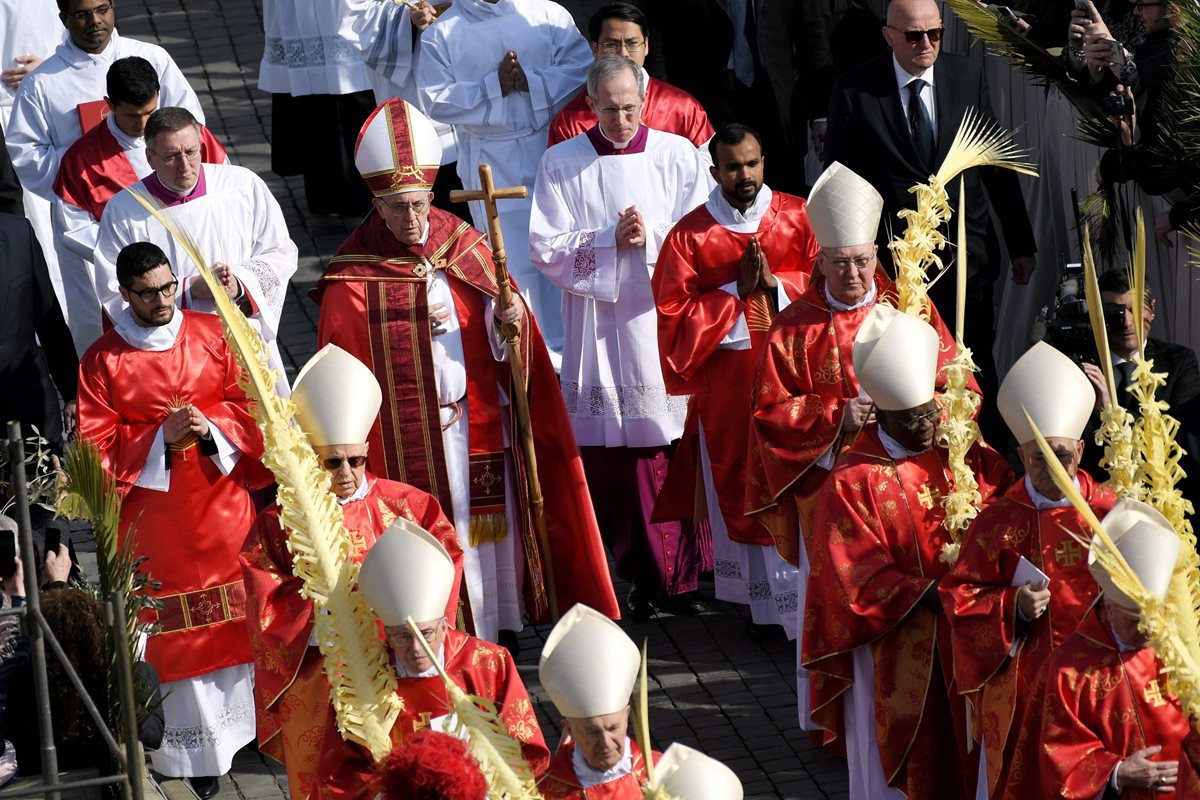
x,y
499,72
228,210
53,107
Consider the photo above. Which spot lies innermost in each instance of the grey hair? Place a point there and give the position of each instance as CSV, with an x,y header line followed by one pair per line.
x,y
611,66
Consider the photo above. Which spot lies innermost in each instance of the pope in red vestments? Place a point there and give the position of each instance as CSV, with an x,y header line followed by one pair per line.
x,y
876,559
1100,717
624,30
375,303
409,575
1004,625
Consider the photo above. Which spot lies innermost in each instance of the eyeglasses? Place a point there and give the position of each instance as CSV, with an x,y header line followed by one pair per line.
x,y
612,111
612,46
404,638
86,16
178,158
148,295
916,423
844,264
403,209
915,37
333,464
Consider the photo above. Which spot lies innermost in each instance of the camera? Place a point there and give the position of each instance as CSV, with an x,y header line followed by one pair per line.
x,y
1069,328
1117,105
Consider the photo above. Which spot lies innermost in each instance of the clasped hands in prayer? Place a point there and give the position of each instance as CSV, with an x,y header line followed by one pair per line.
x,y
182,422
224,275
512,75
631,230
753,270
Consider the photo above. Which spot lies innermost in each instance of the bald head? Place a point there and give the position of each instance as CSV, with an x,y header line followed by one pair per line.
x,y
910,18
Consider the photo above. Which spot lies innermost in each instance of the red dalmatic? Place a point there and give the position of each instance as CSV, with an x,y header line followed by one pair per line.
x,y
374,304
666,108
875,551
291,692
561,783
189,535
698,257
1092,707
982,606
478,667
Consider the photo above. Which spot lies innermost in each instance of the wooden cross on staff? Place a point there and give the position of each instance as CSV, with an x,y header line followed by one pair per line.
x,y
489,194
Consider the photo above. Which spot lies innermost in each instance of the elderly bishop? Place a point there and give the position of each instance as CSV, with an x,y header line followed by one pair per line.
x,y
337,401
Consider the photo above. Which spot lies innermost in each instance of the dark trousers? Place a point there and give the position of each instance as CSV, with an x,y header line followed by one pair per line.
x,y
314,136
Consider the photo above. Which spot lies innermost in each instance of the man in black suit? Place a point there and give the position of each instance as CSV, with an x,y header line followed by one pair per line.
x,y
892,120
27,307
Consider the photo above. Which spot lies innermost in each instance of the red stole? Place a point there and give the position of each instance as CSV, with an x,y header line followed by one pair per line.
x,y
981,603
95,168
694,314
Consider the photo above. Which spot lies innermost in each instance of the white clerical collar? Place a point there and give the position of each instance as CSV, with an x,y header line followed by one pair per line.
x,y
904,78
838,305
78,55
126,141
738,221
156,338
359,493
894,449
1040,501
618,145
403,672
589,777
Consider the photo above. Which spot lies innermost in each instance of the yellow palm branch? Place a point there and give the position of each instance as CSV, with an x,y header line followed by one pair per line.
x,y
356,660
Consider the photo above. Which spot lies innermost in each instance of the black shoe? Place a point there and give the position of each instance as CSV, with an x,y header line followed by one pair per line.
x,y
205,786
510,641
638,604
688,604
763,633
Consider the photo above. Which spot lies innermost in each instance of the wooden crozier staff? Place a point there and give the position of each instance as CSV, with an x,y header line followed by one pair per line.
x,y
489,194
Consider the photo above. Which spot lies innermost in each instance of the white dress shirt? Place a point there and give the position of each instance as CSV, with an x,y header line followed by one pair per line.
x,y
903,79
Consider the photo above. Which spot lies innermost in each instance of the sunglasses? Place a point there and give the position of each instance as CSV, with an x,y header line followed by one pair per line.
x,y
334,464
915,37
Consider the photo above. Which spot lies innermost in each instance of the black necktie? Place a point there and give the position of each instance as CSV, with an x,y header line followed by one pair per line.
x,y
1124,378
919,124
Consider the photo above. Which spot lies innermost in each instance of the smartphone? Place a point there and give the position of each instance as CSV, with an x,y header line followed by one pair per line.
x,y
8,553
1118,52
1007,16
53,540
1082,5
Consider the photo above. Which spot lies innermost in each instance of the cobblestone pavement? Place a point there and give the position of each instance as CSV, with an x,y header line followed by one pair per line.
x,y
716,689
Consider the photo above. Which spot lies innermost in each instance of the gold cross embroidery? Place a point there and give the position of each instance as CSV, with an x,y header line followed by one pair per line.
x,y
1068,553
488,479
1153,694
422,723
928,496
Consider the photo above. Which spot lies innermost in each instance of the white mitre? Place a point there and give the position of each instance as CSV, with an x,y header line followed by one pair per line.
x,y
688,774
589,665
398,149
1052,388
895,358
407,573
843,208
1147,541
337,398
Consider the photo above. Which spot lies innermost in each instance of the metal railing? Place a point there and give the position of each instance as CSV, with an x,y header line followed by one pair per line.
x,y
129,757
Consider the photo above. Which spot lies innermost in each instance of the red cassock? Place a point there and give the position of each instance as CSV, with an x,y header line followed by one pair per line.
x,y
480,668
804,379
1093,706
374,304
190,535
561,783
698,257
875,551
291,693
95,168
982,606
666,108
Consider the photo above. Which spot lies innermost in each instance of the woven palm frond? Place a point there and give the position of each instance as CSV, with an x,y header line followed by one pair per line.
x,y
356,660
488,741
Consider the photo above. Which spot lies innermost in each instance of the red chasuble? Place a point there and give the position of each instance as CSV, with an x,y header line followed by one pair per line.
x,y
561,783
191,534
373,300
876,549
482,669
95,168
804,379
291,693
982,606
698,257
666,108
1093,706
